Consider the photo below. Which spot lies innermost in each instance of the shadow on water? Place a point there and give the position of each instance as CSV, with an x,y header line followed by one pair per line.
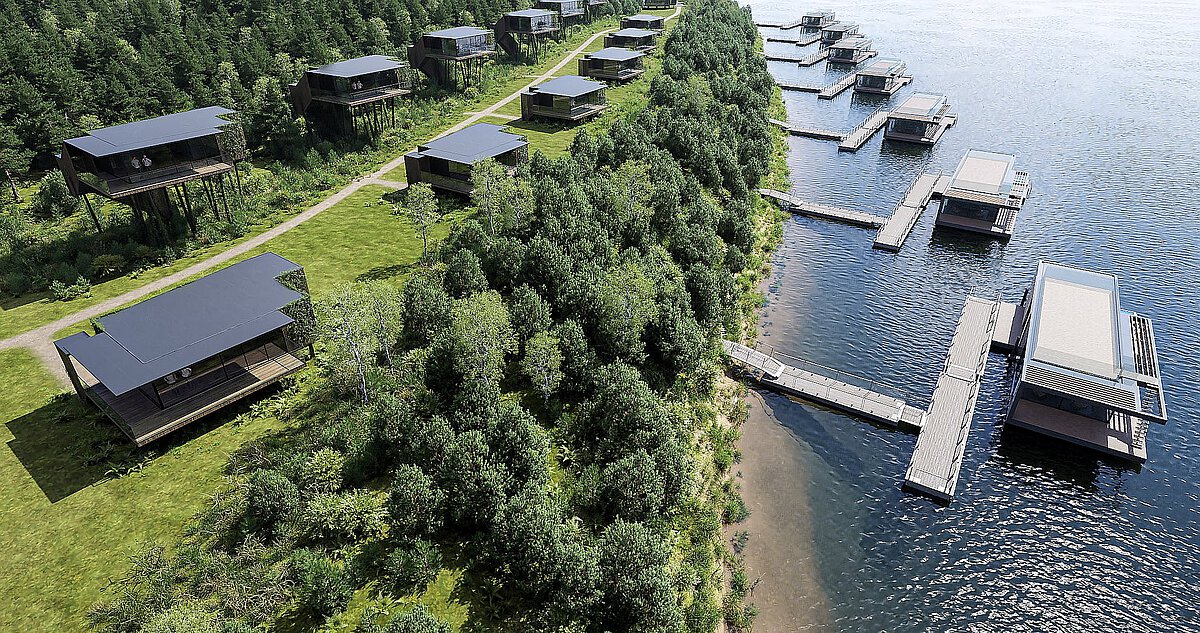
x,y
1033,454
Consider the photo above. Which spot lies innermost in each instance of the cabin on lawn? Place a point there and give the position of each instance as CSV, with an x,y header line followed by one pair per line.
x,y
351,96
567,10
568,98
634,39
170,360
445,163
613,63
644,21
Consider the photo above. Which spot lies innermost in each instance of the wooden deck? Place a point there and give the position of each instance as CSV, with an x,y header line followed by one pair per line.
x,y
833,392
782,58
795,205
809,132
863,133
895,231
938,455
806,40
838,87
815,58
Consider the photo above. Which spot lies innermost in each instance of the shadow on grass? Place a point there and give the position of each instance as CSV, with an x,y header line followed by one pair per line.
x,y
10,302
67,446
384,273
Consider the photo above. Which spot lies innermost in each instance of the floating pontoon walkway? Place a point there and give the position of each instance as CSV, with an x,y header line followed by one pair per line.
x,y
825,212
782,58
785,26
904,217
859,136
943,439
813,59
809,384
787,85
838,87
824,135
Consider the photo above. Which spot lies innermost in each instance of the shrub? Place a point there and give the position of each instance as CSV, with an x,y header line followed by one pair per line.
x,y
321,586
109,264
412,567
66,292
415,503
345,518
53,199
419,620
272,497
322,473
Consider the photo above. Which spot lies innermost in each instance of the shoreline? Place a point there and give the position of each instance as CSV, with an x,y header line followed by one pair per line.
x,y
785,582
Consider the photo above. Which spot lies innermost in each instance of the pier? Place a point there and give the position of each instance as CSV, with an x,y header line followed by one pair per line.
x,y
904,217
859,136
825,212
937,458
838,87
787,85
824,135
781,58
826,386
815,58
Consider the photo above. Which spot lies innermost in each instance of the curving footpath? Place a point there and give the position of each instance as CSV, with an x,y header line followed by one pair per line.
x,y
40,340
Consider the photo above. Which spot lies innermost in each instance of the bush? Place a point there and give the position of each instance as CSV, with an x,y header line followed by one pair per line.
x,y
109,264
322,473
272,497
415,503
64,292
345,518
419,620
412,567
321,586
53,199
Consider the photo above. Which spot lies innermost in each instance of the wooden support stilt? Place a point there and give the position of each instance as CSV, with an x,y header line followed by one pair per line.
x,y
224,200
92,212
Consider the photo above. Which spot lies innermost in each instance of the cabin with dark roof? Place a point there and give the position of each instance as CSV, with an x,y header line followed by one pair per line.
x,y
633,39
613,63
922,118
882,77
567,98
453,56
851,51
351,96
984,195
141,163
644,21
656,5
445,163
522,34
836,31
817,19
174,358
567,10
1089,371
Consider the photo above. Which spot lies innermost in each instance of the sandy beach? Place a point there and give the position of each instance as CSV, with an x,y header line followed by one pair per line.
x,y
778,557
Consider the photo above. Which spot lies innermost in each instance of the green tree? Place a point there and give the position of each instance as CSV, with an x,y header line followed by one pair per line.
x,y
385,308
481,335
626,305
346,326
53,199
421,208
491,185
543,364
418,620
322,587
415,502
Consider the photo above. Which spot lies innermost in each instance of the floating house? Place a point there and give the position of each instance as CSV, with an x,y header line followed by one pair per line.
x,y
633,39
568,98
170,360
644,21
1089,372
817,19
836,31
445,163
567,10
454,55
141,163
351,96
882,77
613,63
523,33
984,195
922,118
850,50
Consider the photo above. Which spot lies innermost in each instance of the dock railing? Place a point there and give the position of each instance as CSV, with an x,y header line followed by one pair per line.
x,y
916,216
867,120
829,372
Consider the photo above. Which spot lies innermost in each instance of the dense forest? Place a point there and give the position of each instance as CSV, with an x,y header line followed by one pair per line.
x,y
536,406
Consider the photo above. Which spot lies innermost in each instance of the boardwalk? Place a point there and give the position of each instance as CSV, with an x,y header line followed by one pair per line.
x,y
943,439
838,87
825,212
787,85
812,38
863,133
824,135
815,58
783,58
904,217
825,386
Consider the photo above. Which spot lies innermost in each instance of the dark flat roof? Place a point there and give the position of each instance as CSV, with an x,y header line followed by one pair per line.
x,y
616,54
359,66
569,86
459,32
529,13
188,324
472,144
840,26
634,33
170,128
645,17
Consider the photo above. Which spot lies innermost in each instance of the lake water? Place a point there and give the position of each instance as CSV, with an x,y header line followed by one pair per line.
x,y
1100,102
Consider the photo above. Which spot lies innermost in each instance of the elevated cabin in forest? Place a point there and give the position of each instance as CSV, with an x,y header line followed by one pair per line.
x,y
351,96
613,63
445,163
567,98
836,31
568,10
984,194
1089,371
453,56
817,19
141,163
850,50
882,77
644,21
172,359
634,39
523,33
922,118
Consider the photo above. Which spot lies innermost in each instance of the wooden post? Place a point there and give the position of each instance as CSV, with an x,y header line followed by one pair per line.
x,y
224,200
80,390
92,213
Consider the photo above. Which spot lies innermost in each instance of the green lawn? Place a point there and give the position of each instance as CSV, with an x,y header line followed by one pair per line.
x,y
69,520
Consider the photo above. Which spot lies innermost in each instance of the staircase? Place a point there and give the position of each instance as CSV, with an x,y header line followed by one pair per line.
x,y
505,40
418,59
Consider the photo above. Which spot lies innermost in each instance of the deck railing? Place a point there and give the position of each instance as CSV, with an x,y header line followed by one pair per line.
x,y
829,372
861,126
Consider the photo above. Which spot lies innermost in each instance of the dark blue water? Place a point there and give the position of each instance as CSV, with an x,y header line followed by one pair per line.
x,y
1100,102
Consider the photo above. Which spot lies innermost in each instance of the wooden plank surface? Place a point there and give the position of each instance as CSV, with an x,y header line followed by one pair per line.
x,y
859,137
825,212
904,217
815,58
838,87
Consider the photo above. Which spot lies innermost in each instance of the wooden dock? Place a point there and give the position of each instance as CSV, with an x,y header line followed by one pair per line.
x,y
815,58
863,133
812,38
825,386
824,135
787,85
904,217
838,87
781,58
938,455
795,205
